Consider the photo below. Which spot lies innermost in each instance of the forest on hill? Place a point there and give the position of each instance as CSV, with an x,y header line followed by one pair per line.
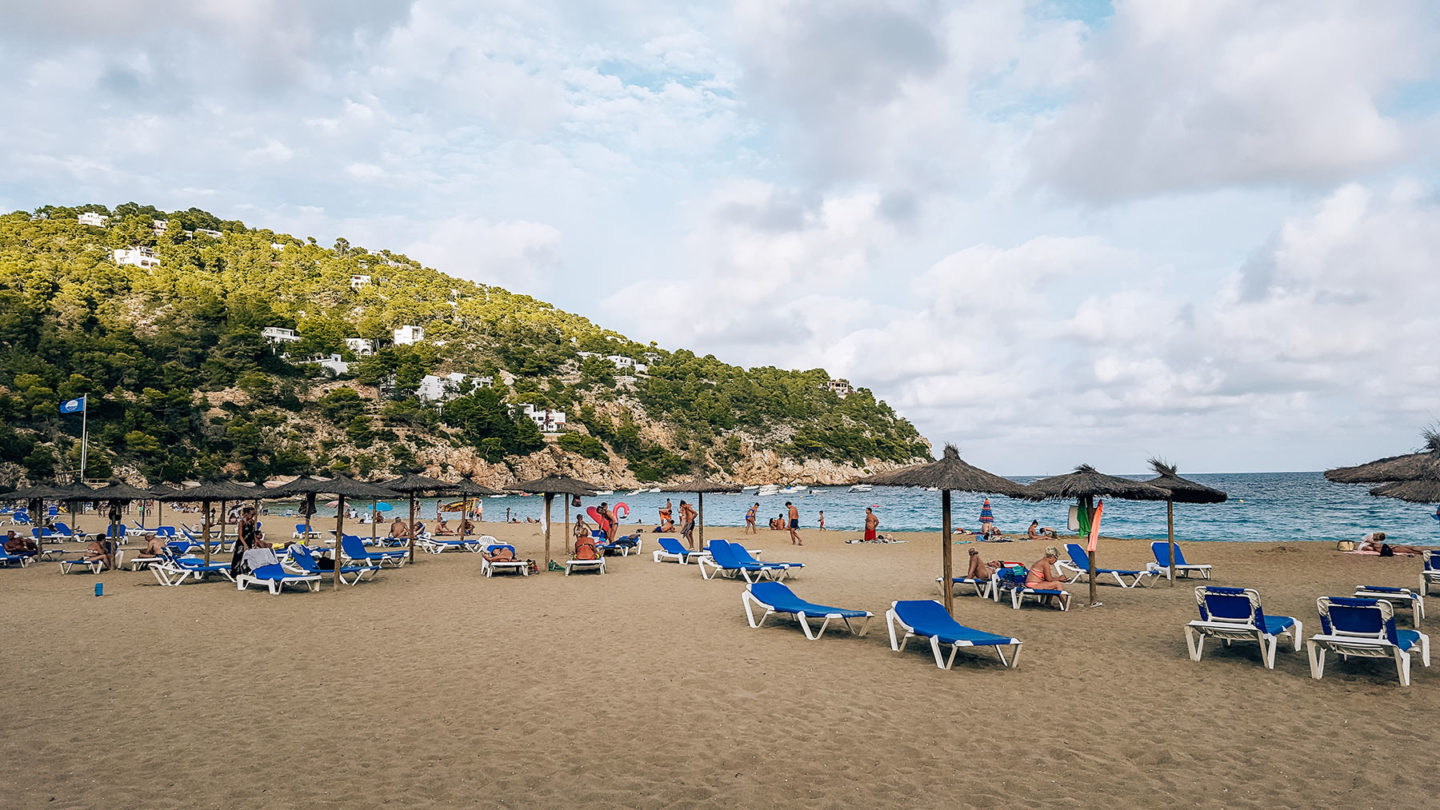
x,y
157,318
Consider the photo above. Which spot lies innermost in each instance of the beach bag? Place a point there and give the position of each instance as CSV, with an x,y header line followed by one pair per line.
x,y
325,563
1386,550
1345,545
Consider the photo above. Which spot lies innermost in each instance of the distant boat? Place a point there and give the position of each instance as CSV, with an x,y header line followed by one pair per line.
x,y
861,488
605,492
798,489
750,488
638,491
653,489
769,489
501,495
932,489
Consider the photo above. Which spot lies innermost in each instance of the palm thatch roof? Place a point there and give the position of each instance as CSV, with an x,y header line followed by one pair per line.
x,y
700,484
1393,468
115,491
348,487
1182,490
556,485
951,473
34,491
215,490
304,485
1086,481
161,490
467,487
417,484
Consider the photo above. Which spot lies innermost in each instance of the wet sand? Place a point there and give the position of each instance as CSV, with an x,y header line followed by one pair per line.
x,y
435,687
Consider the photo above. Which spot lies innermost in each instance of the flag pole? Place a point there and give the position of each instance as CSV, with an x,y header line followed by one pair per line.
x,y
84,434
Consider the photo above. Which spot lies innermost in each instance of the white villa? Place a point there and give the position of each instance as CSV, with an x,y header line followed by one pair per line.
x,y
279,334
209,233
159,226
439,389
138,256
92,218
547,420
409,335
841,388
620,361
276,246
360,346
356,282
484,382
331,362
651,357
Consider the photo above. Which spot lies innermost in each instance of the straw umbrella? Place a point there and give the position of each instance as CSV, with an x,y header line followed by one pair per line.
x,y
114,492
466,488
1182,490
700,485
550,486
1084,485
342,487
412,485
34,497
304,486
156,493
949,474
207,493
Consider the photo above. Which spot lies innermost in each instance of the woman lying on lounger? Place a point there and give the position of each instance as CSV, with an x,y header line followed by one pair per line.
x,y
979,569
502,554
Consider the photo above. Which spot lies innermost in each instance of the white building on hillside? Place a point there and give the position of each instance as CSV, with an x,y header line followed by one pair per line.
x,y
209,233
620,361
841,388
331,362
409,335
279,334
651,357
92,218
360,346
159,226
641,368
547,420
484,382
137,256
358,281
439,389
584,355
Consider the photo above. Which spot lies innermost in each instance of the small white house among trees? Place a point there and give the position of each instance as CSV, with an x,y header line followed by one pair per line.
x,y
137,256
409,335
279,334
92,218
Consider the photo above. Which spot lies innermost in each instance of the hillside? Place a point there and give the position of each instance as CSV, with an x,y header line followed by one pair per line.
x,y
165,336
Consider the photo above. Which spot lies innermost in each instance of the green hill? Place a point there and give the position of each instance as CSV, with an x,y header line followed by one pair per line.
x,y
181,382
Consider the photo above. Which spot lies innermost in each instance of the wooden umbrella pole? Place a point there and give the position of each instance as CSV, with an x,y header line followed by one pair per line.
x,y
567,515
374,521
339,536
221,542
548,498
411,558
205,529
947,566
1170,529
700,516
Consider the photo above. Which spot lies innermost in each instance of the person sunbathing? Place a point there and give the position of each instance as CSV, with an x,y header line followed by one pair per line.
x,y
399,529
100,549
1375,541
990,531
502,554
979,569
585,549
1042,574
20,546
441,529
154,546
466,527
1035,532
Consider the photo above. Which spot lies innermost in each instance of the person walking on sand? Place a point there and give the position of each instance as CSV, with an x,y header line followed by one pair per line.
x,y
687,523
750,519
794,525
872,522
822,520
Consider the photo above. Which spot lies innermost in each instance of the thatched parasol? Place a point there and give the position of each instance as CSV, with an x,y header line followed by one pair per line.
x,y
306,487
466,488
115,492
701,485
1084,485
550,486
207,493
342,487
34,497
948,474
412,485
157,492
1182,490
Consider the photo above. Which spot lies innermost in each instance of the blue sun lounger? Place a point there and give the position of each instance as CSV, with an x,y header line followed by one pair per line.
x,y
743,555
1234,614
928,619
353,548
7,559
275,577
1011,580
776,597
175,569
982,587
670,549
1161,550
1430,573
1079,562
300,556
1363,628
724,562
1397,597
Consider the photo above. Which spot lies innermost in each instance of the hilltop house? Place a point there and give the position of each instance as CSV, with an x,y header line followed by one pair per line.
x,y
360,346
92,218
330,362
484,382
547,420
279,334
841,388
439,389
159,226
277,246
620,360
358,281
209,233
137,256
651,357
409,335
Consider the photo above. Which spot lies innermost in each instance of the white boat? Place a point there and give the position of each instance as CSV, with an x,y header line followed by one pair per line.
x,y
638,491
750,488
653,489
769,489
861,488
605,492
797,489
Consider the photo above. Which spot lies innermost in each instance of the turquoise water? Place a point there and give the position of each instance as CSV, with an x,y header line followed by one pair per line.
x,y
1262,507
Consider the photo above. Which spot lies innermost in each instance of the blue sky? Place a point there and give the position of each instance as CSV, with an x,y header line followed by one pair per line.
x,y
1052,232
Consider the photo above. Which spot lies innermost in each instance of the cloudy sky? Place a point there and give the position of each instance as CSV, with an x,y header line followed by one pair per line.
x,y
1051,232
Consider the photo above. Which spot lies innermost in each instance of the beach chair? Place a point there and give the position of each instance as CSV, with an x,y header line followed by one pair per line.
x,y
17,560
982,586
722,561
776,597
620,545
1234,614
353,548
490,567
1011,580
275,577
588,557
302,561
1430,570
928,619
440,545
20,517
301,533
745,556
1079,562
1397,597
176,569
1161,550
1363,628
63,530
670,549
82,564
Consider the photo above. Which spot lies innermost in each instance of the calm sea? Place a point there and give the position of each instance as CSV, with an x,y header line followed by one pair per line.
x,y
1262,507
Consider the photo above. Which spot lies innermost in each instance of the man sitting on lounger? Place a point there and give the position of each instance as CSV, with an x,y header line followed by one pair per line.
x,y
1043,576
441,529
399,529
15,544
100,549
154,546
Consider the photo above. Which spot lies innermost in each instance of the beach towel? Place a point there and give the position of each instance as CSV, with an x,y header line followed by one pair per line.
x,y
256,557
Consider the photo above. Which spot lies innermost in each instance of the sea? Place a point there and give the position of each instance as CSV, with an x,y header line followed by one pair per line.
x,y
1263,507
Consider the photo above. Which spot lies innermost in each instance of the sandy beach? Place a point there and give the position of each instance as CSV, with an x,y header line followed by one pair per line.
x,y
435,687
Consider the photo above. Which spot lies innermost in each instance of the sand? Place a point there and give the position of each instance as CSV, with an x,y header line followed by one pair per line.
x,y
434,687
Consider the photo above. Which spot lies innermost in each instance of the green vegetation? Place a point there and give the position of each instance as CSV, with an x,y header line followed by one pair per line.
x,y
181,383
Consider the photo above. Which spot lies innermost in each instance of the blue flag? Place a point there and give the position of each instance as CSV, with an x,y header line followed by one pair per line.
x,y
73,405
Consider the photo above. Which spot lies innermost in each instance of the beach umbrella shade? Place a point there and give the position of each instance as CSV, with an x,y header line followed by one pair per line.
x,y
986,515
949,474
75,494
206,493
1182,490
466,488
343,486
550,486
701,485
412,485
1085,484
34,497
306,487
114,492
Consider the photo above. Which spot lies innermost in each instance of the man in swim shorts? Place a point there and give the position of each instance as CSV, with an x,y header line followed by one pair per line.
x,y
872,522
794,525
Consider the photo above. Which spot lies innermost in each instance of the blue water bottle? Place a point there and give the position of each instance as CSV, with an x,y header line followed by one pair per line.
x,y
99,589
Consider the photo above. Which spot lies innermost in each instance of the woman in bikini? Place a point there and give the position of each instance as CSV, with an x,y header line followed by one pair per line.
x,y
1042,574
979,569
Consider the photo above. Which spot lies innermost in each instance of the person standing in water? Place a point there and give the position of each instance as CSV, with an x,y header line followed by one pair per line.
x,y
794,525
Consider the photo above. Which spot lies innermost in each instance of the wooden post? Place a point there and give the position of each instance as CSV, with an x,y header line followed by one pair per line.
x,y
549,496
339,535
700,517
1170,529
221,542
374,521
567,516
946,554
411,558
1086,503
205,529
